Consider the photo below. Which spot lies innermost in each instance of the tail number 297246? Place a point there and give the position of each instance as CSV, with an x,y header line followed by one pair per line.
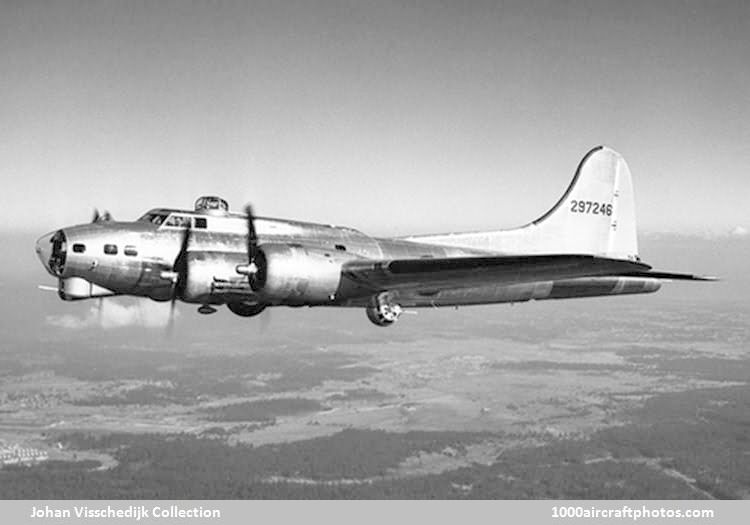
x,y
597,208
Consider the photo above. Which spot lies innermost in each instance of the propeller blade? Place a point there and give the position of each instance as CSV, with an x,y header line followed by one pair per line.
x,y
181,268
252,236
265,321
99,312
170,319
101,217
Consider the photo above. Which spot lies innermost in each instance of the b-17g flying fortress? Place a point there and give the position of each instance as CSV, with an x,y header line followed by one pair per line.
x,y
584,246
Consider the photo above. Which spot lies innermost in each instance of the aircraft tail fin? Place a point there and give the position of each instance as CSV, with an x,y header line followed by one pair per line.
x,y
595,215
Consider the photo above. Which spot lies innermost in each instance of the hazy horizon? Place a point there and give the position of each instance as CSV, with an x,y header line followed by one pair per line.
x,y
389,117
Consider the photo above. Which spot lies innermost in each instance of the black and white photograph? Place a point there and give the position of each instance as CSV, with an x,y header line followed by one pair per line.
x,y
374,250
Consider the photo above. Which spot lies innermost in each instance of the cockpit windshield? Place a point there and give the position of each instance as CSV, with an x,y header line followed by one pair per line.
x,y
178,221
154,218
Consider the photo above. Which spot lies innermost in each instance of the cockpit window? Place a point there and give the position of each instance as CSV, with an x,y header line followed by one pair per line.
x,y
154,218
200,222
178,221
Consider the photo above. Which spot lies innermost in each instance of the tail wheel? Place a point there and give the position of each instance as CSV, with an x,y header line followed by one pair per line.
x,y
383,312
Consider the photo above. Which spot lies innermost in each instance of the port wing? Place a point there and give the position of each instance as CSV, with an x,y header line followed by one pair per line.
x,y
461,272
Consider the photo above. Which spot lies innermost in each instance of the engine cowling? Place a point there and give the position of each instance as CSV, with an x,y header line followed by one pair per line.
x,y
297,275
213,275
76,288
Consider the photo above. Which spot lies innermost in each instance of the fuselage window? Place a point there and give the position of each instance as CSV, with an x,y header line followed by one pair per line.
x,y
130,250
200,222
110,249
340,247
178,221
79,248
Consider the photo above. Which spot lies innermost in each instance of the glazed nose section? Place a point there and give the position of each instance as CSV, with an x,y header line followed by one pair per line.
x,y
44,250
50,249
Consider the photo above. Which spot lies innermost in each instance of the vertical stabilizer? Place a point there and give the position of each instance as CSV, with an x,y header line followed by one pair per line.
x,y
597,212
595,215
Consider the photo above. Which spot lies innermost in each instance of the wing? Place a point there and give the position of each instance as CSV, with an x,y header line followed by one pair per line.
x,y
670,276
460,272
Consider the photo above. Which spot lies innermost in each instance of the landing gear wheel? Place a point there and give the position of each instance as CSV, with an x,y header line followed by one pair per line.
x,y
246,309
206,309
382,312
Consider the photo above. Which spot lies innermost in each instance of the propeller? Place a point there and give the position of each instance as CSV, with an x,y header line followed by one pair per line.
x,y
101,217
264,321
180,268
252,238
99,312
251,268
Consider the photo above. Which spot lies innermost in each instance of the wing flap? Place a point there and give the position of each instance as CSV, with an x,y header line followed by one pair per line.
x,y
459,272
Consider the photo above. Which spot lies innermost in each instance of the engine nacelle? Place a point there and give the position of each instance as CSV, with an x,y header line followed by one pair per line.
x,y
77,288
296,275
213,275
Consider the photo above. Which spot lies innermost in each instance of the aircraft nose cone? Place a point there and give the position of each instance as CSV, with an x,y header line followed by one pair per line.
x,y
44,250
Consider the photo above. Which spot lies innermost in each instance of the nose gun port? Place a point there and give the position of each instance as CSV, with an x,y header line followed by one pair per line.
x,y
51,250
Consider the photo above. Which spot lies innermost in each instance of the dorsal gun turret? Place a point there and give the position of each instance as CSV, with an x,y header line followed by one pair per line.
x,y
211,205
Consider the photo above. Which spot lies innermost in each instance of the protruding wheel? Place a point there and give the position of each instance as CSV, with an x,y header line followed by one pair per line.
x,y
206,309
383,312
246,309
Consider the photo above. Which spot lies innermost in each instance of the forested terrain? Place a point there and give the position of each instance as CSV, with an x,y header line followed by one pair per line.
x,y
262,409
679,445
620,410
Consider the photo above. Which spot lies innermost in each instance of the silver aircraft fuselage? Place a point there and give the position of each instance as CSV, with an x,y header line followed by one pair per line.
x,y
136,258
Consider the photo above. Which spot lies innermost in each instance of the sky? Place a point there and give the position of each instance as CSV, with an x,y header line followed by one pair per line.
x,y
391,117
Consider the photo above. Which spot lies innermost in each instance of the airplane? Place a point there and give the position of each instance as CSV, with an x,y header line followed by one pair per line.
x,y
584,246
